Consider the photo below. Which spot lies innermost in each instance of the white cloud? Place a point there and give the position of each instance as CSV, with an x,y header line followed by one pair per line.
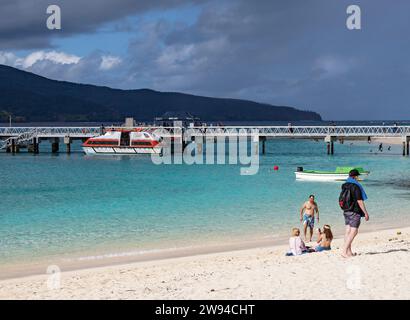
x,y
109,62
7,58
91,68
51,56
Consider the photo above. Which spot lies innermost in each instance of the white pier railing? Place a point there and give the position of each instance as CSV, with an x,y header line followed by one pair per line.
x,y
51,132
267,131
305,131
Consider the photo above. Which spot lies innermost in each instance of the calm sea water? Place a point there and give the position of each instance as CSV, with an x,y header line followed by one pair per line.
x,y
74,205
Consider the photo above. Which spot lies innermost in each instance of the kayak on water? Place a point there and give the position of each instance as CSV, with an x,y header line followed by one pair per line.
x,y
340,174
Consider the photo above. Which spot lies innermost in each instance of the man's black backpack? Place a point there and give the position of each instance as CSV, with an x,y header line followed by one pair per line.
x,y
346,200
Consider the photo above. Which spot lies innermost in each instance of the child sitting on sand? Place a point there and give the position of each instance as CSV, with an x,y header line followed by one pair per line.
x,y
296,244
324,239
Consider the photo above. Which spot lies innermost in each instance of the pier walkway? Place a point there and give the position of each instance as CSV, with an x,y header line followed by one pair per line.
x,y
13,137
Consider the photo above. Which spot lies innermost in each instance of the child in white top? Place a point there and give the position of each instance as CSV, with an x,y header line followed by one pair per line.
x,y
296,244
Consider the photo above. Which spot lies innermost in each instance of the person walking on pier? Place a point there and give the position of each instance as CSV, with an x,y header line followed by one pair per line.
x,y
307,216
351,201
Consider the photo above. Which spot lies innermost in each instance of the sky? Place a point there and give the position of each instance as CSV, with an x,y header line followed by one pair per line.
x,y
295,53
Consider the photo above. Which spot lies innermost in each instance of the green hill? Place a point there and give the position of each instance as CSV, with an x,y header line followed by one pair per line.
x,y
29,97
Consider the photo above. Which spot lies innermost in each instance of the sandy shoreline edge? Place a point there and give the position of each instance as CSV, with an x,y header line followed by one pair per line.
x,y
380,271
125,257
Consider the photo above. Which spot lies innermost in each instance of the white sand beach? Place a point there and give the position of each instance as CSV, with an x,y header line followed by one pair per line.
x,y
381,270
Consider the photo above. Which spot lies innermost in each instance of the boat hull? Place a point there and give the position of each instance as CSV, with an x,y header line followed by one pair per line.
x,y
120,150
309,176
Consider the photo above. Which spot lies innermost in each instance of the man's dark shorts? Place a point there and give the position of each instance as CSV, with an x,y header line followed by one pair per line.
x,y
352,219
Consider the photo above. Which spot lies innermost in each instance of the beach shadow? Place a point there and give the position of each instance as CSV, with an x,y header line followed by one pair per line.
x,y
388,251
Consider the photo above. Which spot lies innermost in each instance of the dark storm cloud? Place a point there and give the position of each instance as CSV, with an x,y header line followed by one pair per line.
x,y
241,48
296,53
23,22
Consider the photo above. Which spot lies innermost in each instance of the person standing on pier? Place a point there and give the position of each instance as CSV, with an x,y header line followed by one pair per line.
x,y
290,127
351,200
307,216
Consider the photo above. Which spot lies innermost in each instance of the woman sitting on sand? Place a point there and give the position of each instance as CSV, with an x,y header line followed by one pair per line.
x,y
296,244
324,239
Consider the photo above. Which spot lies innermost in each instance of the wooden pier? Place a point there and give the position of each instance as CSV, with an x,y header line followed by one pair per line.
x,y
12,139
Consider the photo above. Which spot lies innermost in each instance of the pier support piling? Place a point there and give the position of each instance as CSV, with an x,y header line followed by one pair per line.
x,y
35,146
67,142
263,139
330,144
15,148
55,145
406,146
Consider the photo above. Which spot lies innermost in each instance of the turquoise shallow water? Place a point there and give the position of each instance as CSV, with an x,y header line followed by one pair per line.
x,y
74,205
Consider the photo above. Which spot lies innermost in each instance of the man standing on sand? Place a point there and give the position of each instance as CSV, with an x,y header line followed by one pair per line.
x,y
352,202
307,216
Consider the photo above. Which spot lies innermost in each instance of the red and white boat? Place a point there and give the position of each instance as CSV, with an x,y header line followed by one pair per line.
x,y
124,141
